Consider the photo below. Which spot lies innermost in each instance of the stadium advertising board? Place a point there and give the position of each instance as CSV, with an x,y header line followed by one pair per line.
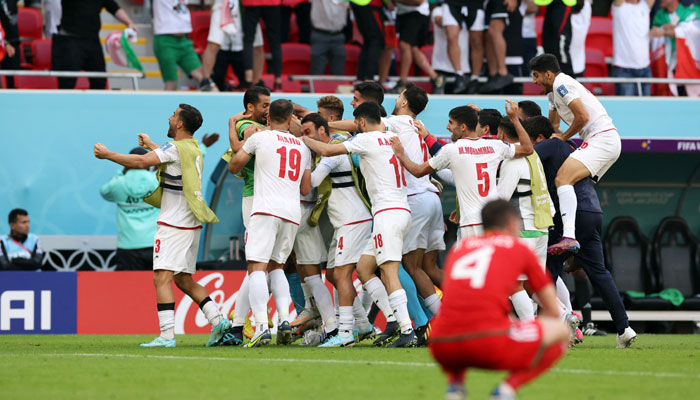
x,y
38,302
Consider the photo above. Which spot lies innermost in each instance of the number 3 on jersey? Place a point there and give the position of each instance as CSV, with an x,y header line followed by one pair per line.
x,y
294,162
473,266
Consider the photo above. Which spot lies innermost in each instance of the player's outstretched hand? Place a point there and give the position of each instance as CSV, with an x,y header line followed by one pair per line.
x,y
146,142
241,115
209,140
511,109
475,107
453,217
422,130
101,151
250,131
396,145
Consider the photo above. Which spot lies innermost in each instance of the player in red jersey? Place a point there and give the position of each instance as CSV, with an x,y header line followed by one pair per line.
x,y
473,328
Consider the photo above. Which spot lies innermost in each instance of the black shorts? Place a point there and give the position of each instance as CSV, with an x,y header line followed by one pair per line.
x,y
472,10
495,9
413,28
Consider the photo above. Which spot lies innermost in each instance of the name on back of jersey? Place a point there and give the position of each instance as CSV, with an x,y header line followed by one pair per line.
x,y
288,140
476,151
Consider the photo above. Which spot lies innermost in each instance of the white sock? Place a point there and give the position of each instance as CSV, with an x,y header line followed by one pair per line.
x,y
432,303
563,293
473,77
345,321
242,306
166,319
399,303
324,303
280,291
365,299
376,289
258,295
336,303
212,312
359,313
523,306
567,208
308,296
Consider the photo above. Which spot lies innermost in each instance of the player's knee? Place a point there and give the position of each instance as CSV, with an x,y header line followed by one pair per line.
x,y
161,278
561,180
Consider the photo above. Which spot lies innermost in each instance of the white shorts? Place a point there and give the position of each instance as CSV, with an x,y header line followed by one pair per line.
x,y
390,228
246,209
176,249
471,230
227,42
478,24
348,244
538,245
599,152
309,245
269,238
427,227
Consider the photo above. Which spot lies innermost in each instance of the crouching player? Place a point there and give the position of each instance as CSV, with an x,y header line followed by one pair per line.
x,y
473,328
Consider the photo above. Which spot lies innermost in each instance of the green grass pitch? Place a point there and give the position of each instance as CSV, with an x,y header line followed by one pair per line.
x,y
114,367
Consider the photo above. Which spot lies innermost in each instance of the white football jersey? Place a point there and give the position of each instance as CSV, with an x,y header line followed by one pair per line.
x,y
384,175
474,162
567,89
344,205
414,147
280,162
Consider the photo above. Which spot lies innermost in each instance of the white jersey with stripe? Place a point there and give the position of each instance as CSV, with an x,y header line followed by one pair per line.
x,y
280,162
384,175
344,205
474,162
174,210
414,147
567,89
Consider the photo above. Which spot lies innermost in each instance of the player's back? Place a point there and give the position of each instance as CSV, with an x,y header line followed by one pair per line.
x,y
414,147
565,90
280,161
480,274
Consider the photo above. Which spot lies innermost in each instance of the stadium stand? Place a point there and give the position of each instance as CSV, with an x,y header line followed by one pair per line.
x,y
200,29
675,254
600,35
296,58
29,24
352,55
41,54
597,67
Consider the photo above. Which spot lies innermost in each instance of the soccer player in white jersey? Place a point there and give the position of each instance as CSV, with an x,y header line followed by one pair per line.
x,y
577,107
282,172
386,185
473,162
180,221
352,224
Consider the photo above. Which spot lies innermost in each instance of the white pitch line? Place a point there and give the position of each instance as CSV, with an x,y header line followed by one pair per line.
x,y
353,362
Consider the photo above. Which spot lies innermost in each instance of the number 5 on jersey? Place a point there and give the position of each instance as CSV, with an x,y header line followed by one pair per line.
x,y
473,266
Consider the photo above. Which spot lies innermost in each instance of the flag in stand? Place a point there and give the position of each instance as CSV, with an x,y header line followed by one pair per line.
x,y
688,54
118,47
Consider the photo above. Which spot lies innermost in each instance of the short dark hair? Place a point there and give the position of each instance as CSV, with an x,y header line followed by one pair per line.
x,y
416,97
538,125
371,91
16,213
465,115
317,120
497,213
368,110
281,110
490,117
530,108
508,128
252,95
191,118
332,104
543,63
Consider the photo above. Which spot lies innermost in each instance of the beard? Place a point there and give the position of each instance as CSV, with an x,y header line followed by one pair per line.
x,y
171,132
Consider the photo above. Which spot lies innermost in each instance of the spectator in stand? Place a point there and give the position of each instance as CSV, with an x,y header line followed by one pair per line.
x,y
52,17
5,47
10,37
529,32
413,27
453,16
328,20
136,219
441,59
631,44
270,12
557,33
20,250
580,22
498,15
196,5
391,42
302,10
369,21
514,50
76,46
225,47
172,47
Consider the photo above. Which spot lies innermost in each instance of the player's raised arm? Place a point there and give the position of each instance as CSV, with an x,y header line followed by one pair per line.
x,y
417,170
238,161
324,149
236,143
135,161
344,125
305,186
525,148
581,118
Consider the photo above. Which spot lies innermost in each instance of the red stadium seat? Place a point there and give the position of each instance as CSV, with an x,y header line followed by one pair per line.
x,y
531,89
200,29
352,55
29,25
293,35
41,54
329,86
36,82
596,67
287,85
296,59
3,84
539,22
600,35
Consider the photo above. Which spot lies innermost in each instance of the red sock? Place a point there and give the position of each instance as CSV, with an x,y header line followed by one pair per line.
x,y
550,356
455,377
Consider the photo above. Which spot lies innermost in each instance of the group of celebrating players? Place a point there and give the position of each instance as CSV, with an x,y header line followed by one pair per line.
x,y
372,177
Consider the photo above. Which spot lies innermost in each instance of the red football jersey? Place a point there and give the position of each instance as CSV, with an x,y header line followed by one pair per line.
x,y
480,274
